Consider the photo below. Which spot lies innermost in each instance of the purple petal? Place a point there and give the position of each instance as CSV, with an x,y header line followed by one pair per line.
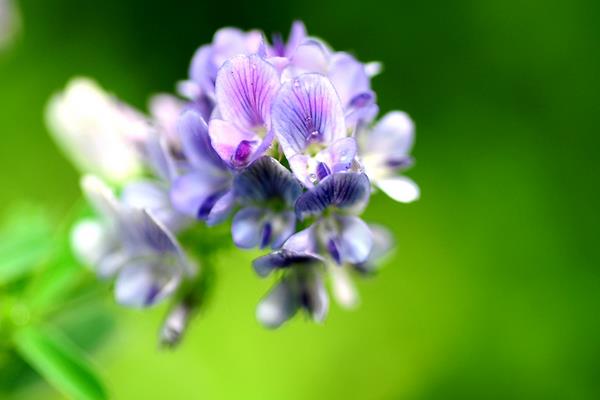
x,y
202,69
310,56
266,179
230,42
303,242
245,87
281,259
142,283
234,145
341,154
221,209
347,191
165,110
159,158
314,297
196,142
279,305
153,196
361,110
189,192
297,36
101,198
355,240
383,244
392,137
307,110
348,77
247,227
283,227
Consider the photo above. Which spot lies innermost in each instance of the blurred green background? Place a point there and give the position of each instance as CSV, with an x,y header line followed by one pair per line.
x,y
493,292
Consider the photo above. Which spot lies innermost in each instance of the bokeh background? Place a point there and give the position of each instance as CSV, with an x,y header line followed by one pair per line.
x,y
493,290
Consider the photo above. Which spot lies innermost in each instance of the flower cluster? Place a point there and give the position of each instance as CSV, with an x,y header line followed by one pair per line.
x,y
279,138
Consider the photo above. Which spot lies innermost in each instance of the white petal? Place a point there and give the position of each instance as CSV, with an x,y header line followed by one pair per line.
x,y
344,290
91,241
399,188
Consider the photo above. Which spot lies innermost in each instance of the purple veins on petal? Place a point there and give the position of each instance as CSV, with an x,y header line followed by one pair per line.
x,y
333,251
245,87
307,110
266,235
346,191
323,171
266,179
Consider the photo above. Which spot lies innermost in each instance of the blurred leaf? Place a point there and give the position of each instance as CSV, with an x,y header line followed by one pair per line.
x,y
60,362
25,240
55,283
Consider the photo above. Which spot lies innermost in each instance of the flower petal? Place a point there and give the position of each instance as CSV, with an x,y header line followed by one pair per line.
x,y
247,227
399,188
221,209
314,296
245,87
236,146
91,241
283,226
348,76
202,69
281,259
311,56
297,36
153,196
101,198
196,142
307,110
344,290
192,191
392,137
341,154
142,284
266,179
383,244
347,191
279,305
354,239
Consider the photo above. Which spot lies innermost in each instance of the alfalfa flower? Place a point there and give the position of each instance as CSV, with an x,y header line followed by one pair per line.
x,y
385,153
130,245
97,132
278,136
308,121
267,191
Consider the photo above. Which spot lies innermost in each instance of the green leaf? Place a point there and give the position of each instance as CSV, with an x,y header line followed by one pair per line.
x,y
60,362
26,239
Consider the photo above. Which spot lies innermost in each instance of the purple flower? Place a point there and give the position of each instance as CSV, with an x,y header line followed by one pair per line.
x,y
308,121
204,190
337,236
300,287
267,191
132,245
342,285
227,43
245,88
279,54
351,78
384,153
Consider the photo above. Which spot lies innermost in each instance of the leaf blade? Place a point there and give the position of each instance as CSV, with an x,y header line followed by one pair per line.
x,y
60,362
